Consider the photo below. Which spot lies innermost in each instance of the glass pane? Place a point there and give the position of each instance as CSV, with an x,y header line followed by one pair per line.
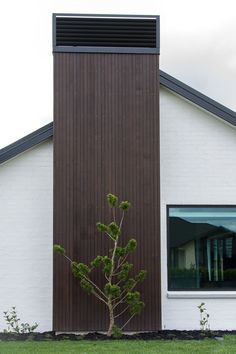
x,y
202,248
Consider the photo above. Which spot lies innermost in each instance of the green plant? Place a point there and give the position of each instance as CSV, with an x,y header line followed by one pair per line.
x,y
204,318
182,273
14,325
118,293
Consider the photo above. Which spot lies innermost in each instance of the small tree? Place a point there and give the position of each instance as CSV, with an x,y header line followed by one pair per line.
x,y
118,293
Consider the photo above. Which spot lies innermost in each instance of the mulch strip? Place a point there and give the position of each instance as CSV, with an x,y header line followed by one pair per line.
x,y
162,335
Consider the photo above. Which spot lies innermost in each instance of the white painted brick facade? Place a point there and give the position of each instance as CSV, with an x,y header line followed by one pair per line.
x,y
26,236
198,166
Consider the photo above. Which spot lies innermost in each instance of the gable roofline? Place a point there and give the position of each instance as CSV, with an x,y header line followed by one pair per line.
x,y
198,98
27,142
166,80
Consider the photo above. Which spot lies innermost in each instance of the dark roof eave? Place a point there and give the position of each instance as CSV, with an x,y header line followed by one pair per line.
x,y
27,142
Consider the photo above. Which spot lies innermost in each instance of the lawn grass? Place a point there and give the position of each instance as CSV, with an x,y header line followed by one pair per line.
x,y
227,346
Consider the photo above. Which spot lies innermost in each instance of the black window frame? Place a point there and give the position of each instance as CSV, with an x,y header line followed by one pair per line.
x,y
168,207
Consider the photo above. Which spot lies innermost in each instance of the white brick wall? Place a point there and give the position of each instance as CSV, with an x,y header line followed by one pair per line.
x,y
198,166
26,236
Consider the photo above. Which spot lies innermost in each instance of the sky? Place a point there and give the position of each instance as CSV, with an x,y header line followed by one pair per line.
x,y
198,46
215,216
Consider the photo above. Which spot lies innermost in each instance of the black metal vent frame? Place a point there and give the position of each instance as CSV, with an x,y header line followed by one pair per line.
x,y
155,49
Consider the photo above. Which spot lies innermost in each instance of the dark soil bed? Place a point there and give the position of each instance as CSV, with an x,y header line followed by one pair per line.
x,y
163,335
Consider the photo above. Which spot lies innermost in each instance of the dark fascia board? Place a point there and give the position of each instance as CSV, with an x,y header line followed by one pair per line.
x,y
27,142
133,50
166,80
197,98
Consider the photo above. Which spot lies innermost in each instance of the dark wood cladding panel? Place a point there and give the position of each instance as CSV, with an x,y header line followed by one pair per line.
x,y
106,139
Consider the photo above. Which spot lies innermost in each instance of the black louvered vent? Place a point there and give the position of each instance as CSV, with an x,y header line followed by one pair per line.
x,y
105,32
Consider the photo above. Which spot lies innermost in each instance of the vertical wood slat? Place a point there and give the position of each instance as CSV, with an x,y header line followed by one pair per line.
x,y
106,139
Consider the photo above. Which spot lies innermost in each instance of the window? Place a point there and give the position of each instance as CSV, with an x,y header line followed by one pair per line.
x,y
201,248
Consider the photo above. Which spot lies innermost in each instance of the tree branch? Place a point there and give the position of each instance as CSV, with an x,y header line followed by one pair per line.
x,y
122,262
124,259
99,297
112,260
88,279
128,321
119,281
119,302
121,313
70,260
118,262
118,297
110,236
121,221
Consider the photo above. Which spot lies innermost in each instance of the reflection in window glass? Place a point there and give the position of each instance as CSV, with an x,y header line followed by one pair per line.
x,y
202,248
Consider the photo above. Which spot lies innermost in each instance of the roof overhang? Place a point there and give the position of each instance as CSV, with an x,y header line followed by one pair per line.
x,y
166,81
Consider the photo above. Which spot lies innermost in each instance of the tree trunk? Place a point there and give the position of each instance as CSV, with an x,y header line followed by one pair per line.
x,y
111,318
109,301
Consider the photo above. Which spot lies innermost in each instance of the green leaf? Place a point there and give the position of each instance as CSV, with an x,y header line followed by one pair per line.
x,y
131,245
75,270
107,264
112,200
129,284
132,297
80,270
120,251
97,261
125,205
59,249
102,227
86,286
141,276
83,268
116,332
136,307
112,289
114,229
125,269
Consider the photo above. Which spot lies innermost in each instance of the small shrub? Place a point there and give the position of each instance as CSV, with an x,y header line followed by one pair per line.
x,y
14,325
204,318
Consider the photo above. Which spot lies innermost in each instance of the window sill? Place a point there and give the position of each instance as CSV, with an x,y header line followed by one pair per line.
x,y
201,295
